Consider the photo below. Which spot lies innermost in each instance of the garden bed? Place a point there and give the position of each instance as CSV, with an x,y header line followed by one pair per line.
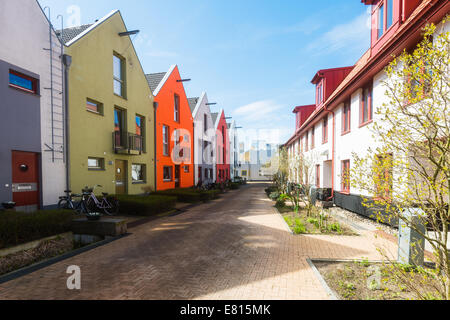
x,y
364,280
317,223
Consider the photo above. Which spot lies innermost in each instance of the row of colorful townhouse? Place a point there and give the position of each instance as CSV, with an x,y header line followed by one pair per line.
x,y
338,124
78,110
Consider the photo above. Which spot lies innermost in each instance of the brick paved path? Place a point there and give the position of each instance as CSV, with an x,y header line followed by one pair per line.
x,y
235,248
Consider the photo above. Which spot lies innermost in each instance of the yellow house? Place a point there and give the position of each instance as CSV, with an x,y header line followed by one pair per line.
x,y
110,110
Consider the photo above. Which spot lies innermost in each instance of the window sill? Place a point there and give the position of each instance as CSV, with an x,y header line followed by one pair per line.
x,y
24,90
167,180
96,169
365,123
95,112
346,192
120,96
345,133
139,182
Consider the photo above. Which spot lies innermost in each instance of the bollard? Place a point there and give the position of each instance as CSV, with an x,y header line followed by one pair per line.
x,y
411,244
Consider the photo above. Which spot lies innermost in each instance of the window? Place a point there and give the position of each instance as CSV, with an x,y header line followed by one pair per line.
x,y
325,130
380,21
383,171
166,132
366,105
385,16
176,109
96,163
186,169
346,117
23,82
318,176
205,123
94,106
119,127
313,137
211,173
140,132
119,75
345,176
206,174
244,173
167,174
138,173
319,93
307,142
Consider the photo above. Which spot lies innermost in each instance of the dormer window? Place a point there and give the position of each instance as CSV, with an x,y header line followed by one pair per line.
x,y
319,93
385,13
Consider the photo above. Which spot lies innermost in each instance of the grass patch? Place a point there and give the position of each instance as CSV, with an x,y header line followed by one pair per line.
x,y
363,280
19,227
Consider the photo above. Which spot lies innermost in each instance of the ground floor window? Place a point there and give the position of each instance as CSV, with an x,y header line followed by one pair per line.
x,y
138,173
345,176
168,174
244,173
186,169
96,163
318,176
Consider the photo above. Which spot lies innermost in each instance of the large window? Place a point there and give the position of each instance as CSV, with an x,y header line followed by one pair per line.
x,y
168,174
345,176
380,21
166,135
119,75
23,82
346,117
176,108
119,127
140,131
138,173
366,105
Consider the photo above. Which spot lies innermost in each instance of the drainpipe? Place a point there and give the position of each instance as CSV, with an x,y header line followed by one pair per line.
x,y
332,152
155,107
67,61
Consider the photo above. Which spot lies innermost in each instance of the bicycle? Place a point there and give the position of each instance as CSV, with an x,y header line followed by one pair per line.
x,y
67,203
93,204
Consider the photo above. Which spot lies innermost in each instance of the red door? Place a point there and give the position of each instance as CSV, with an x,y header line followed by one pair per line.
x,y
25,178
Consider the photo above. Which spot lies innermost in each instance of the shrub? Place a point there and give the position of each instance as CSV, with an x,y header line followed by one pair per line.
x,y
270,190
210,195
235,186
299,227
274,196
184,195
145,205
20,227
280,203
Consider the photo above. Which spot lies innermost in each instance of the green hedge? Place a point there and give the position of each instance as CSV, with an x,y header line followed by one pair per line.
x,y
145,205
19,227
189,195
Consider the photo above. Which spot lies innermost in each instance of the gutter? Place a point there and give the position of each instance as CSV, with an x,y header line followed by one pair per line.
x,y
67,61
155,168
333,152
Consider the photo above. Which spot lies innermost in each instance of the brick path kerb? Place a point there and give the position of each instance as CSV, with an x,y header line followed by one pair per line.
x,y
237,247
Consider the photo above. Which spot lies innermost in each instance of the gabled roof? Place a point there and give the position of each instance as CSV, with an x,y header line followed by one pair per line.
x,y
195,108
157,80
76,33
67,34
193,103
218,117
154,79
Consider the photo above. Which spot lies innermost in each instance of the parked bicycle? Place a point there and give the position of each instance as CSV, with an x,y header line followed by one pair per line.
x,y
68,203
107,205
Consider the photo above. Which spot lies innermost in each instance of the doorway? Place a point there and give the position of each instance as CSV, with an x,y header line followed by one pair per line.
x,y
121,177
25,180
177,176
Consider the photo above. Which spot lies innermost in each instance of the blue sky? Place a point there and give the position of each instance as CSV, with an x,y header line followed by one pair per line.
x,y
255,58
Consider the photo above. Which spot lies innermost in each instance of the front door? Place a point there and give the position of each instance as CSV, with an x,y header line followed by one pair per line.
x,y
177,176
25,179
121,177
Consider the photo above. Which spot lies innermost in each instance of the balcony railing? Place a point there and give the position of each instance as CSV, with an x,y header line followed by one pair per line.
x,y
127,143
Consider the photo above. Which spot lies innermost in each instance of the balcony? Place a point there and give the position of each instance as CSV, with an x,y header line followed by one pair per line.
x,y
127,143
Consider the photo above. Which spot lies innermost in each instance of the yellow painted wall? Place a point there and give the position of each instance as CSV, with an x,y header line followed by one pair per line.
x,y
91,76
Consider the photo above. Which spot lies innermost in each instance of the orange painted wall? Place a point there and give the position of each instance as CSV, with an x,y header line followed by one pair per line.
x,y
220,164
165,116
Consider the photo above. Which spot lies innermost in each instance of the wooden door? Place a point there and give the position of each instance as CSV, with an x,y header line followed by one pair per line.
x,y
25,179
121,177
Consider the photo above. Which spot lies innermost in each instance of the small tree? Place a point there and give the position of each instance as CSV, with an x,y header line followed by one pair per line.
x,y
280,164
411,166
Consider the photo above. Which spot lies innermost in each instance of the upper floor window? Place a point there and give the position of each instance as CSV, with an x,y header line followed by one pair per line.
x,y
23,82
313,137
176,109
94,106
140,131
325,130
319,93
307,142
385,16
166,141
119,127
346,117
366,114
205,123
119,75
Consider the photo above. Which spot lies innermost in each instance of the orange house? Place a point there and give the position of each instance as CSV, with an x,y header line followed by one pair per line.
x,y
174,131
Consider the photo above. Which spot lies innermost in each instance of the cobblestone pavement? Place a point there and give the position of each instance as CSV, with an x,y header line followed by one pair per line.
x,y
237,247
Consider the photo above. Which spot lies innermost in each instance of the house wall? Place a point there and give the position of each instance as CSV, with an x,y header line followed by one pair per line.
x,y
24,31
165,116
203,158
91,135
220,163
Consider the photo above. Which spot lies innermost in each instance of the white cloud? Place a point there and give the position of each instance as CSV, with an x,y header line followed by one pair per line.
x,y
257,110
352,36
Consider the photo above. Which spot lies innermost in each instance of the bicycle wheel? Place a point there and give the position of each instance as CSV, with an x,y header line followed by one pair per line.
x,y
63,204
90,206
111,207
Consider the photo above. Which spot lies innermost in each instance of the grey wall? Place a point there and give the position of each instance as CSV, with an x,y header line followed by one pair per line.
x,y
20,128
